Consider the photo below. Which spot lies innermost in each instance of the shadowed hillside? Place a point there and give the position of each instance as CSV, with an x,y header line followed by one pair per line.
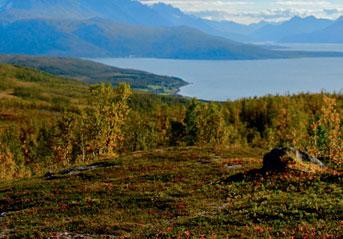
x,y
97,37
103,38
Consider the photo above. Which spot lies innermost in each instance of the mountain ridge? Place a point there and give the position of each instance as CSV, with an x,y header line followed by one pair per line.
x,y
331,34
100,38
157,15
294,26
125,28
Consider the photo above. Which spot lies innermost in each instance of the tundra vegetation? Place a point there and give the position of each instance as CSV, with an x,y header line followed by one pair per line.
x,y
172,162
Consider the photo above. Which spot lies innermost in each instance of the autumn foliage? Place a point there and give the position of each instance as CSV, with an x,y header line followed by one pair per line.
x,y
56,123
326,133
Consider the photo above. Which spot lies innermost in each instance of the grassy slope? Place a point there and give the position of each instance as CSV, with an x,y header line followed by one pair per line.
x,y
160,193
14,79
92,72
27,94
174,192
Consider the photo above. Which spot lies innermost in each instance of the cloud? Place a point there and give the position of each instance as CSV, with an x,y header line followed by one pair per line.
x,y
247,11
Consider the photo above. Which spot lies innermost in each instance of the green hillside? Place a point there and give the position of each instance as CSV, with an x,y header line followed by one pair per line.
x,y
25,91
32,95
93,161
92,72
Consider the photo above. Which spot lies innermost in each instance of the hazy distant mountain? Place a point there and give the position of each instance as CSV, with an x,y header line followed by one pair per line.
x,y
228,29
158,15
99,38
118,28
102,38
123,11
295,26
124,28
330,34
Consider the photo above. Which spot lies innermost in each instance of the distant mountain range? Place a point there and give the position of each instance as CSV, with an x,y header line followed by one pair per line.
x,y
303,30
332,33
286,30
120,11
101,38
124,28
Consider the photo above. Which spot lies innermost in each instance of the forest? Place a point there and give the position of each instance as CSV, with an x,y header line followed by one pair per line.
x,y
48,122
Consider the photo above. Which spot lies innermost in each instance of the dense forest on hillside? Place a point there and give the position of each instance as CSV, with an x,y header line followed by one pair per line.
x,y
48,122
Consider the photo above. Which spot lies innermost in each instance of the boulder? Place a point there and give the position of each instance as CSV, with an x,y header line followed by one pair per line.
x,y
279,159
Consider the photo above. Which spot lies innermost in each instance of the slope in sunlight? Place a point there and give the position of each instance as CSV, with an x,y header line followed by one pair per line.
x,y
92,72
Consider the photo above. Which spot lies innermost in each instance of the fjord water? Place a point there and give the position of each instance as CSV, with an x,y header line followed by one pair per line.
x,y
223,80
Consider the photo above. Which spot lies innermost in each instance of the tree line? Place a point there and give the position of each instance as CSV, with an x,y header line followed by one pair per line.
x,y
116,121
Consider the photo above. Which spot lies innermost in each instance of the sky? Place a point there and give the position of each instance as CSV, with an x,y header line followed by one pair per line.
x,y
250,11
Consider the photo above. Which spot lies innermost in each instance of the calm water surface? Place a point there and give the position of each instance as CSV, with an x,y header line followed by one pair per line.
x,y
222,80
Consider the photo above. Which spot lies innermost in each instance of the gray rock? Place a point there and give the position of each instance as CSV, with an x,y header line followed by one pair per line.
x,y
236,166
301,155
279,159
79,169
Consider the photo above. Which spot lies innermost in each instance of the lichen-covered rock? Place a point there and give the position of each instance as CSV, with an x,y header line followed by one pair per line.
x,y
279,159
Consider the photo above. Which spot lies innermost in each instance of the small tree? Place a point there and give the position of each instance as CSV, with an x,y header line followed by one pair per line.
x,y
64,139
326,136
190,121
141,132
205,124
103,121
288,125
211,125
28,141
7,163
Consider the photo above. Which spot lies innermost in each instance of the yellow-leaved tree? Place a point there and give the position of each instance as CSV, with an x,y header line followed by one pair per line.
x,y
288,126
326,133
102,123
205,124
64,139
7,163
